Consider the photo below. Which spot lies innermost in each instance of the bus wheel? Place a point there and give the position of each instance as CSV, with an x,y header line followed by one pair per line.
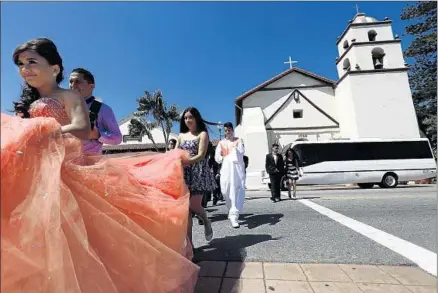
x,y
389,180
365,185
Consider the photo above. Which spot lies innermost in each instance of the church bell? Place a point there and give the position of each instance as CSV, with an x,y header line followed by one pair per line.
x,y
378,64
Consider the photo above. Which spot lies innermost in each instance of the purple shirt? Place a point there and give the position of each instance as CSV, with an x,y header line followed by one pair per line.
x,y
108,128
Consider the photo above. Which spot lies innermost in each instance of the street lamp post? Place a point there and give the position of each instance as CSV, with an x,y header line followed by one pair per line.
x,y
219,127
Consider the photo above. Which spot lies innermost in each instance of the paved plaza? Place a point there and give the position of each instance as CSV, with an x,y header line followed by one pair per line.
x,y
332,239
266,277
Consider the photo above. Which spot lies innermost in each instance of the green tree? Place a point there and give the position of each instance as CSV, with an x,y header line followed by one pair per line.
x,y
140,127
152,112
423,73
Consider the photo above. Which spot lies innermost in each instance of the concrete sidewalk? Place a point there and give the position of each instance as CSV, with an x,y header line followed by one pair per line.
x,y
265,277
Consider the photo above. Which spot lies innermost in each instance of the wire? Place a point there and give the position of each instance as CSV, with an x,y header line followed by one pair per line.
x,y
213,130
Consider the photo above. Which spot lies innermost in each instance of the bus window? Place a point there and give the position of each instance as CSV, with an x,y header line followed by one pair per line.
x,y
298,151
308,154
397,150
330,152
313,153
338,151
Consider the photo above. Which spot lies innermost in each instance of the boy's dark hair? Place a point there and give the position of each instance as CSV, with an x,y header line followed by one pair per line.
x,y
275,144
228,125
87,75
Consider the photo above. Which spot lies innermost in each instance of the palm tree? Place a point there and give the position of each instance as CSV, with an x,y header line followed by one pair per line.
x,y
153,105
140,127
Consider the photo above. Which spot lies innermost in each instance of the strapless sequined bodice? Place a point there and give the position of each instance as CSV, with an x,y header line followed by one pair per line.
x,y
49,107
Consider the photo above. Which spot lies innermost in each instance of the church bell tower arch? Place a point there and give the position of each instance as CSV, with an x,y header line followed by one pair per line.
x,y
373,94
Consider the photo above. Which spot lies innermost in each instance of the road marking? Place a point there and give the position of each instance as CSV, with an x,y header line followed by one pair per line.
x,y
425,259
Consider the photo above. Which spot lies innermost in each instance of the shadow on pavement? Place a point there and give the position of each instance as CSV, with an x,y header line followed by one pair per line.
x,y
229,248
250,220
284,198
210,204
257,197
253,221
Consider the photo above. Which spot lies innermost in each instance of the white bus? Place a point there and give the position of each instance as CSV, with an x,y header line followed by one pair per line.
x,y
364,162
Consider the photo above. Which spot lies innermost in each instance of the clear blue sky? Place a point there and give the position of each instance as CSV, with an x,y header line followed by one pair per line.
x,y
201,54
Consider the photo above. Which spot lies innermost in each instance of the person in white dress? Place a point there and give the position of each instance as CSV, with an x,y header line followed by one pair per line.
x,y
229,153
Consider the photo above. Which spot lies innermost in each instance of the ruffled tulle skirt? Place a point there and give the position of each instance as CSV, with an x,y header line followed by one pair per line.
x,y
102,224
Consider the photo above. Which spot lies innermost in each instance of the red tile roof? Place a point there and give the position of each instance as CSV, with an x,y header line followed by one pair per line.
x,y
133,147
138,147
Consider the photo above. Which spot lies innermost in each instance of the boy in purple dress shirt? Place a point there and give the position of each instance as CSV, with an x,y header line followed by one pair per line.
x,y
106,129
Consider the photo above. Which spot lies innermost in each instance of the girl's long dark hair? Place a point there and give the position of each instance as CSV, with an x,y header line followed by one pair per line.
x,y
295,159
46,49
201,124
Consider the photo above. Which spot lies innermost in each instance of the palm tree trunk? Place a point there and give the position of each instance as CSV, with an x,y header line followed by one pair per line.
x,y
166,138
151,138
155,145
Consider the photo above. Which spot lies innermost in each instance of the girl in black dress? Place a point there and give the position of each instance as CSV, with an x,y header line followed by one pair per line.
x,y
199,179
292,168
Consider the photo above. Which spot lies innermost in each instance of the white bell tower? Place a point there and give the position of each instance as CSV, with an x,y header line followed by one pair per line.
x,y
373,95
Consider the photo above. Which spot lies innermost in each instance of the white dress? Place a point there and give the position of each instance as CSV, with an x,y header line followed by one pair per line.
x,y
230,153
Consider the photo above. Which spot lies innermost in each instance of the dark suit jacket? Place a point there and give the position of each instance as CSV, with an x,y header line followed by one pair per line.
x,y
271,167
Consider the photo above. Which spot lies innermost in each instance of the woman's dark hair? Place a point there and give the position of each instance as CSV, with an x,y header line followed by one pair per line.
x,y
295,159
200,123
46,49
290,151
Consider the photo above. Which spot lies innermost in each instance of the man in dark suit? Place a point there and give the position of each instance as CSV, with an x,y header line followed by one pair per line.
x,y
217,194
274,166
246,161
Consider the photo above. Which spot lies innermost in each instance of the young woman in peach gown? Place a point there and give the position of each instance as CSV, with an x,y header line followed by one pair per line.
x,y
79,224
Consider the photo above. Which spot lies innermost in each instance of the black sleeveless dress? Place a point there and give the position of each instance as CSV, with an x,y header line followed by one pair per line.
x,y
199,177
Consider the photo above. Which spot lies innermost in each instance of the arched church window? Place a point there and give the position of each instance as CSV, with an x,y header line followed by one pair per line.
x,y
378,54
345,44
372,34
346,65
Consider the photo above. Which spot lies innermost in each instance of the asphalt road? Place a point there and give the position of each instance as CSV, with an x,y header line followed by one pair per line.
x,y
290,231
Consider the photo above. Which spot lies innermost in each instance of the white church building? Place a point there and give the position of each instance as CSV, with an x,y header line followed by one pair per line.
x,y
370,99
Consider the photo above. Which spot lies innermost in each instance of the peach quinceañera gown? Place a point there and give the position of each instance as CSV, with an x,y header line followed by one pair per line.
x,y
80,224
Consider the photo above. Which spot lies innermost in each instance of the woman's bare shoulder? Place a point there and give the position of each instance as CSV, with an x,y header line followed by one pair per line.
x,y
202,134
67,95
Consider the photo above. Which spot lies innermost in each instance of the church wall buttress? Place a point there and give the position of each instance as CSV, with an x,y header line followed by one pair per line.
x,y
256,144
346,110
